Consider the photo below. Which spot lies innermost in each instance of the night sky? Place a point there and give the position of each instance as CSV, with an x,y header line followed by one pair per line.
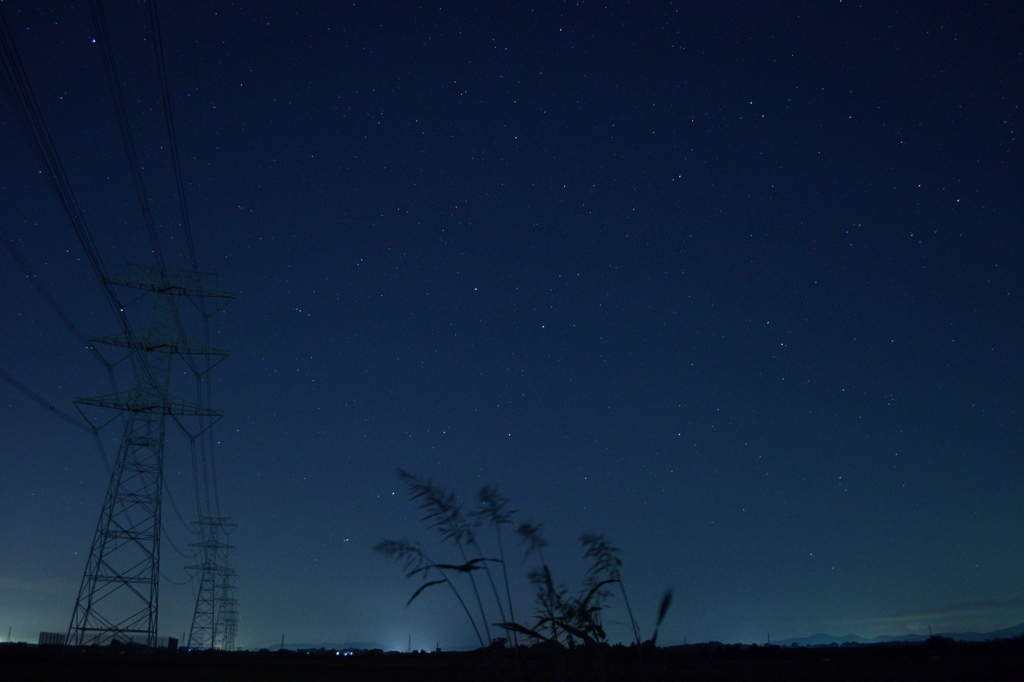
x,y
736,284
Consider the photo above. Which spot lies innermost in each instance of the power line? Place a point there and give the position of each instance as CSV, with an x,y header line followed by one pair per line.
x,y
205,441
166,536
45,293
165,96
206,192
114,81
127,139
16,86
174,505
44,402
47,405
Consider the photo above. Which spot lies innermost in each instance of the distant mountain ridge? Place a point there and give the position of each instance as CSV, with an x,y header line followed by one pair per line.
x,y
825,640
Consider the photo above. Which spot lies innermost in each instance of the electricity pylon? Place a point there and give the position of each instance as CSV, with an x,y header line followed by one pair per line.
x,y
227,613
118,598
213,549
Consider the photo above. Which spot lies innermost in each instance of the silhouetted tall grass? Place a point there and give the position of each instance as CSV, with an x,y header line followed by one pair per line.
x,y
495,511
559,618
417,562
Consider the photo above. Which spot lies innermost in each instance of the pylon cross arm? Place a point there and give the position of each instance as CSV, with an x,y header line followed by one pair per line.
x,y
128,401
169,281
177,347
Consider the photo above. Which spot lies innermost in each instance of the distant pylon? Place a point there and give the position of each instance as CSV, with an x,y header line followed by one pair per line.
x,y
118,598
227,611
213,551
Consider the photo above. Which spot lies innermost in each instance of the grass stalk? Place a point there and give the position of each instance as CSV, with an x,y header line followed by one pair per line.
x,y
472,621
476,593
508,590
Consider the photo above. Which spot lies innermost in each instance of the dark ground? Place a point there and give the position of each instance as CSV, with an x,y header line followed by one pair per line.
x,y
935,660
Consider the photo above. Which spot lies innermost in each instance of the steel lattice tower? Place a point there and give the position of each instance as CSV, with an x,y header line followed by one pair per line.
x,y
207,629
227,613
119,595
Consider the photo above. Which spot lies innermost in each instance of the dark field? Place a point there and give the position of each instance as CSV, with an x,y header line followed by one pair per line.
x,y
934,660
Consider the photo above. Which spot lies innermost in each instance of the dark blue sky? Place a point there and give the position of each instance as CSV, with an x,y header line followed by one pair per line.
x,y
737,285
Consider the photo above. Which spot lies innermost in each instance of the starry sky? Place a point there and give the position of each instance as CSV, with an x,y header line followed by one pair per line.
x,y
737,284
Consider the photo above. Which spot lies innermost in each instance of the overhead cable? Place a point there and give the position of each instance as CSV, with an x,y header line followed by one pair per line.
x,y
44,402
206,440
45,293
47,405
16,86
124,125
